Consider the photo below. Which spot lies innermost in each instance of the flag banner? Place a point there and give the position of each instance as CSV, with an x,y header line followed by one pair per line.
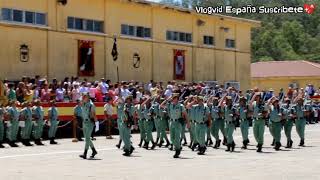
x,y
179,64
114,52
86,58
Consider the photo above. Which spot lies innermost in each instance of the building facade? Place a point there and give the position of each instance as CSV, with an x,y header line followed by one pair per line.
x,y
285,74
57,38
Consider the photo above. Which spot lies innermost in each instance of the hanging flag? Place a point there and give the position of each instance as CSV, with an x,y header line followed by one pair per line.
x,y
114,51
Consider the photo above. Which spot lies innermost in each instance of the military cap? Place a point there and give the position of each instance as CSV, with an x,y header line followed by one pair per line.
x,y
175,95
228,97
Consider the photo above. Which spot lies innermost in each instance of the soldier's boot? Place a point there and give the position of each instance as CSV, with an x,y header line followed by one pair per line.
x,y
290,145
13,144
273,142
131,149
194,146
168,143
259,148
39,142
218,143
161,143
233,145
146,145
301,142
119,144
176,155
185,141
1,145
201,151
277,146
126,153
27,142
140,144
228,147
190,145
84,155
154,144
207,142
210,142
171,147
248,141
157,140
224,141
52,141
244,144
94,152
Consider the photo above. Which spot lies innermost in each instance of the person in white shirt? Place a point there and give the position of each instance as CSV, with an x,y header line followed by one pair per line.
x,y
108,112
83,88
104,86
125,92
75,93
168,92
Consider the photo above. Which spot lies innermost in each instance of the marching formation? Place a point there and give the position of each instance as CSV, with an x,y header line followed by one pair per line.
x,y
210,115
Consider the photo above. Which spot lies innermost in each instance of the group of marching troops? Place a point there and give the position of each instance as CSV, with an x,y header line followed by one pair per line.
x,y
209,116
30,119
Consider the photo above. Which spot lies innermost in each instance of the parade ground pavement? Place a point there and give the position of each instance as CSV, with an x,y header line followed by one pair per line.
x,y
61,162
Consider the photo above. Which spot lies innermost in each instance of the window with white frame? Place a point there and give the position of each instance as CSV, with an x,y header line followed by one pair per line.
x,y
136,31
208,40
85,24
179,36
22,16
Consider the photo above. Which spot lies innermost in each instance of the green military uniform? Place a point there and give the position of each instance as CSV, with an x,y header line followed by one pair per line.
x,y
120,109
77,111
148,126
27,129
229,112
160,117
201,113
156,119
127,118
258,123
275,118
53,111
142,130
2,112
191,116
244,125
217,124
286,111
299,110
13,125
38,124
175,112
88,126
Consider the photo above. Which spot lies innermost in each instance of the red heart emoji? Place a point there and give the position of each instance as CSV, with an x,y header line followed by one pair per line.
x,y
309,8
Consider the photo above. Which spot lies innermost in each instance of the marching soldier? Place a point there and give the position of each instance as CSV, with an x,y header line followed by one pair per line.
x,y
148,123
229,112
300,111
287,111
77,112
217,120
202,119
127,122
191,116
244,122
177,114
38,115
156,116
140,116
163,125
13,123
26,129
120,107
53,122
275,118
259,116
2,113
89,119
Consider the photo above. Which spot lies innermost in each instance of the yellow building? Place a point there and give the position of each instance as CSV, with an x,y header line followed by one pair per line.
x,y
284,74
58,38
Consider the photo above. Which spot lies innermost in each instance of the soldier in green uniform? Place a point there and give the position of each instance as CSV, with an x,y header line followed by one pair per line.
x,y
26,129
140,116
177,114
155,116
163,125
202,120
275,118
127,122
53,121
148,123
229,112
38,115
259,117
77,112
120,107
300,111
89,119
244,122
13,123
2,113
217,120
287,113
191,117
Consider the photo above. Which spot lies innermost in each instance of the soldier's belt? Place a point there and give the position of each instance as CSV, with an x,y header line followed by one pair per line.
x,y
149,120
243,119
200,123
230,122
174,120
193,121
